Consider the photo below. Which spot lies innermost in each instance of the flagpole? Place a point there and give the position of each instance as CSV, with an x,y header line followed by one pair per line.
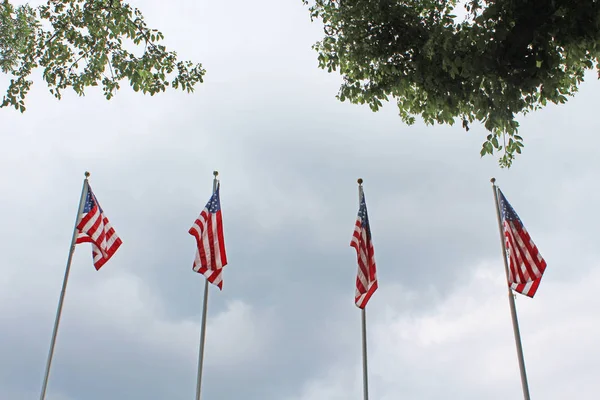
x,y
511,299
364,354
363,313
84,191
203,324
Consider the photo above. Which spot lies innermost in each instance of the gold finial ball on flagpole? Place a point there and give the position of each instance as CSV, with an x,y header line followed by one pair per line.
x,y
215,173
493,180
87,174
360,181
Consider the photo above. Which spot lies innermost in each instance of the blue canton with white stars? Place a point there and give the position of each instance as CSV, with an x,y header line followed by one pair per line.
x,y
214,204
364,217
508,213
90,201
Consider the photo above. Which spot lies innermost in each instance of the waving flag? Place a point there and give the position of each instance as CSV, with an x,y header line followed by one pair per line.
x,y
366,279
95,228
526,265
208,231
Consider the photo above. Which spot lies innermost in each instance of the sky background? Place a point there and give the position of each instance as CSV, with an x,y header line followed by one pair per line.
x,y
285,326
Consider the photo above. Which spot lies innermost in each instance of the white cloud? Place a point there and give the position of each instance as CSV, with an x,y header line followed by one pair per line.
x,y
464,346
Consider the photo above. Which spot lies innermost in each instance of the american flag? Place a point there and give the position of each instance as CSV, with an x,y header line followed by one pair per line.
x,y
208,231
366,279
95,228
526,265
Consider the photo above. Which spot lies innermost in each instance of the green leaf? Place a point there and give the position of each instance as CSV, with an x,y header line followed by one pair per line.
x,y
492,67
80,44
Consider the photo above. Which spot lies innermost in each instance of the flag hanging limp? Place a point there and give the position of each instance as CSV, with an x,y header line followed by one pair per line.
x,y
366,279
208,231
526,265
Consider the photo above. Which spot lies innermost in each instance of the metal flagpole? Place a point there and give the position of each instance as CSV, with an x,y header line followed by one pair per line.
x,y
84,191
363,313
364,353
511,299
204,311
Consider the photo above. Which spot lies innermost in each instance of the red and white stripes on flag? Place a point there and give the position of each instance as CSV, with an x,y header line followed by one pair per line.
x,y
526,265
366,279
94,227
208,231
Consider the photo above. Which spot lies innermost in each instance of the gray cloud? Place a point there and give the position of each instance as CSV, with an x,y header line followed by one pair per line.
x,y
289,154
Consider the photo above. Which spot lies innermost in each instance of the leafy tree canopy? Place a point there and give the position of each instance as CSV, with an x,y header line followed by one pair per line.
x,y
82,43
504,58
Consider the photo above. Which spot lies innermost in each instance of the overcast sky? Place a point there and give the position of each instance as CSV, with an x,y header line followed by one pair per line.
x,y
285,326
